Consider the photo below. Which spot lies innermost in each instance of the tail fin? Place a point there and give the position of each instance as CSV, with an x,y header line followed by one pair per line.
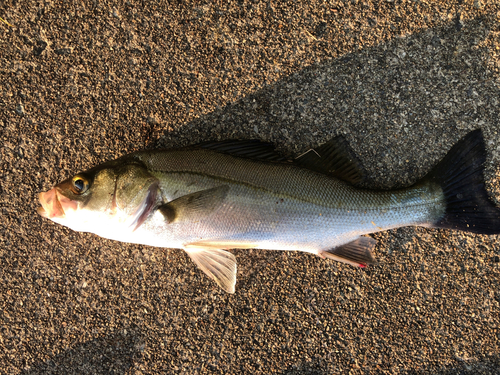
x,y
460,175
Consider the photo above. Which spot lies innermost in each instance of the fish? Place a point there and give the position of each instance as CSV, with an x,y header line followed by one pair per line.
x,y
241,194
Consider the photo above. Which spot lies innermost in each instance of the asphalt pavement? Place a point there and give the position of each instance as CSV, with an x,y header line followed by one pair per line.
x,y
402,81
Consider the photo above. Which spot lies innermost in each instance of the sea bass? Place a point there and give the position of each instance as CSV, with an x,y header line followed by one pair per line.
x,y
217,196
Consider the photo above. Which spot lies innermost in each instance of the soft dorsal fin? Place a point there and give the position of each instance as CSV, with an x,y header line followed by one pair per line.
x,y
334,158
251,148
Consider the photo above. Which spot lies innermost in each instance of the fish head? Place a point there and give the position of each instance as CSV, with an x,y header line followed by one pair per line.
x,y
110,198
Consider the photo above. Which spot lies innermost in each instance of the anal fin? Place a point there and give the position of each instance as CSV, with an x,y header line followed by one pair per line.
x,y
356,253
217,264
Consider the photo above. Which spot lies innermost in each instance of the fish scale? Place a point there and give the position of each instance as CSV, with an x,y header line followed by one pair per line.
x,y
295,223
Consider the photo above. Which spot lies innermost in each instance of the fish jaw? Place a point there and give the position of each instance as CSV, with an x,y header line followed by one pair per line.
x,y
55,205
108,222
65,211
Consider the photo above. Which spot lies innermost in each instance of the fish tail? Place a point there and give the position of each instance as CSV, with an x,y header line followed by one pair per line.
x,y
460,176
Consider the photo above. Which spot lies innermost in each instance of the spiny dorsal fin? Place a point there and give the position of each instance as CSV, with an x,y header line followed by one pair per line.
x,y
194,206
334,158
356,253
251,148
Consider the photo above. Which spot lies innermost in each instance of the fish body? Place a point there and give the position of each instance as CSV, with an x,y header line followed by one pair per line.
x,y
271,205
208,199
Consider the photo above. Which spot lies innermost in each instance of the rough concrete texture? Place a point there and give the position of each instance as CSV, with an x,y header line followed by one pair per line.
x,y
401,80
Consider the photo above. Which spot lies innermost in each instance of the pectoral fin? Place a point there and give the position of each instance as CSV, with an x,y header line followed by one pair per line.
x,y
356,253
194,206
219,265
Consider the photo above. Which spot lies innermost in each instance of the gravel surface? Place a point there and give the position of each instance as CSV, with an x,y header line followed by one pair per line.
x,y
401,80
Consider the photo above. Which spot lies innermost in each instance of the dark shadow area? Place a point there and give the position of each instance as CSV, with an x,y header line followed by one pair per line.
x,y
115,353
422,88
487,366
314,367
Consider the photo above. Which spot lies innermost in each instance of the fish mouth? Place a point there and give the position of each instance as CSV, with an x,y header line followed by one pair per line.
x,y
51,205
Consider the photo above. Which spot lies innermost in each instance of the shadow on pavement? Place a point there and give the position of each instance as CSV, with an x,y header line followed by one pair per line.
x,y
115,353
488,366
422,84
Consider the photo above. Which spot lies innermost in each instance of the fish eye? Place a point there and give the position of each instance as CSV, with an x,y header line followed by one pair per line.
x,y
79,184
